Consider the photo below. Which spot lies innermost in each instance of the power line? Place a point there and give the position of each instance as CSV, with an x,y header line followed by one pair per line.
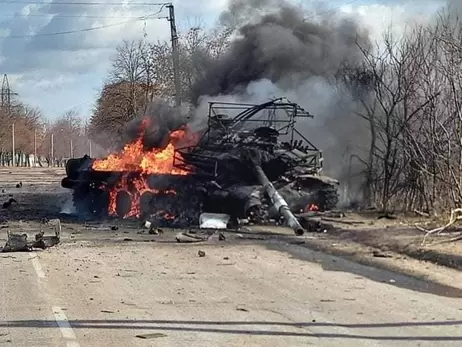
x,y
85,3
43,15
150,16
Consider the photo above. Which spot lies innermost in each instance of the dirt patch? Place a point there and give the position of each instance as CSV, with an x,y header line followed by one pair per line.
x,y
399,234
408,242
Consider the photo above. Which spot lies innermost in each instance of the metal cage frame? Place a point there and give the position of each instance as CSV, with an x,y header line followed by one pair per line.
x,y
207,164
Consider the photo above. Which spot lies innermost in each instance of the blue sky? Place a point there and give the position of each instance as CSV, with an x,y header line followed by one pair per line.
x,y
64,72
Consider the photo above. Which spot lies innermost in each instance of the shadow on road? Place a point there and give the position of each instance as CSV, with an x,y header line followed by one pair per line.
x,y
209,327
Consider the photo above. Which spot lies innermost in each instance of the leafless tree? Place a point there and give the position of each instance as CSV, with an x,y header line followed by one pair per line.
x,y
142,72
68,137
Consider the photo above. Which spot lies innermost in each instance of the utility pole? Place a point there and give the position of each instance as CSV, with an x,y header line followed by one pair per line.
x,y
175,54
89,145
35,147
71,150
52,149
13,145
5,99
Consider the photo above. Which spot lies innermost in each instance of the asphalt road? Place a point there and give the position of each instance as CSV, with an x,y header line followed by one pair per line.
x,y
95,289
87,294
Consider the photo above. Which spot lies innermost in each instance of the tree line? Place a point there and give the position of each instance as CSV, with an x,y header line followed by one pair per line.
x,y
33,133
408,93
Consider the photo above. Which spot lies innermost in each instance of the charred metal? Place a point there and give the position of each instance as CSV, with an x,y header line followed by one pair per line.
x,y
251,162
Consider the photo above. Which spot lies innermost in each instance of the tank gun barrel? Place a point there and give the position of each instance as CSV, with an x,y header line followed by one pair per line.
x,y
278,201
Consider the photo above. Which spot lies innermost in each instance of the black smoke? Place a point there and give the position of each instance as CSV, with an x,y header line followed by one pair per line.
x,y
276,41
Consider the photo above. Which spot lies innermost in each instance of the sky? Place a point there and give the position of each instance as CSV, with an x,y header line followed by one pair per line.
x,y
57,53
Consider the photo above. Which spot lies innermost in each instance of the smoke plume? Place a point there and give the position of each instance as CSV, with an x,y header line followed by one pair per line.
x,y
278,52
280,46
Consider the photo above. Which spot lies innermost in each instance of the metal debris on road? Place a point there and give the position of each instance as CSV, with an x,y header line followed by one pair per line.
x,y
151,336
214,220
20,242
187,237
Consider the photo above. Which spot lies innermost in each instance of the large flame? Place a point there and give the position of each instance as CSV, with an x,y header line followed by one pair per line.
x,y
134,158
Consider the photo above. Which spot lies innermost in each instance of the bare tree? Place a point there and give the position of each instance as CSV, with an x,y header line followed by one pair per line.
x,y
68,133
142,72
129,67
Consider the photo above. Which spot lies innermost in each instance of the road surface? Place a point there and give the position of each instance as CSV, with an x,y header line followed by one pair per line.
x,y
119,288
164,294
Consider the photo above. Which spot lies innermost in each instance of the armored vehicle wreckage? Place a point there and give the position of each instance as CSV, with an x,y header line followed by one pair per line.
x,y
249,161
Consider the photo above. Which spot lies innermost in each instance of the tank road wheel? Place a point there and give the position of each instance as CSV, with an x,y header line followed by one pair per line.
x,y
323,196
327,197
123,203
146,200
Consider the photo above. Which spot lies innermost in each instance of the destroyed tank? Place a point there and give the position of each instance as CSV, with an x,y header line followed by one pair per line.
x,y
249,162
238,134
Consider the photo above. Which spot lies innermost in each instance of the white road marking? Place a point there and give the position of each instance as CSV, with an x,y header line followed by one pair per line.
x,y
63,323
37,266
65,327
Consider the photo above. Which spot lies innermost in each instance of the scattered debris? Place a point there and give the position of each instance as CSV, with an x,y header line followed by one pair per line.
x,y
106,311
221,237
312,224
242,309
152,230
378,254
19,185
9,203
101,228
156,231
201,254
20,242
213,221
186,237
151,336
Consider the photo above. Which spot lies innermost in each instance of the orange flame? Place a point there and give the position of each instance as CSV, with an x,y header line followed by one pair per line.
x,y
312,208
134,158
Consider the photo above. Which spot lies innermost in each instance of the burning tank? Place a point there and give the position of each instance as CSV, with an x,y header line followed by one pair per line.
x,y
251,162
